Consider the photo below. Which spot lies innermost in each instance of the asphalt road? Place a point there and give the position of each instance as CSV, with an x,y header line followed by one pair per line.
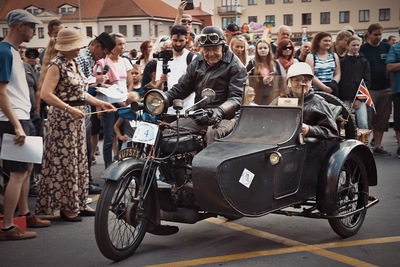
x,y
272,240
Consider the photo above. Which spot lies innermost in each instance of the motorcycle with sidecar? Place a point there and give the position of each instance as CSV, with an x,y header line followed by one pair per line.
x,y
264,166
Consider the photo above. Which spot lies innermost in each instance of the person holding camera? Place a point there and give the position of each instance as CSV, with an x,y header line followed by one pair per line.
x,y
172,64
219,69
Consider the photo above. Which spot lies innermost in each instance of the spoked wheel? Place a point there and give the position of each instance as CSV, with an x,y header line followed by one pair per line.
x,y
352,194
121,221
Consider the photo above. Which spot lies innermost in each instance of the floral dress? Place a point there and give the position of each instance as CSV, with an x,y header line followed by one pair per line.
x,y
65,173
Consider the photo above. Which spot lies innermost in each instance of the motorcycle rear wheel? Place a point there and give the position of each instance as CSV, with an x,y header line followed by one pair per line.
x,y
121,221
352,194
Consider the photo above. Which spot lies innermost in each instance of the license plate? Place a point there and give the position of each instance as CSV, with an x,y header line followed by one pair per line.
x,y
129,152
145,133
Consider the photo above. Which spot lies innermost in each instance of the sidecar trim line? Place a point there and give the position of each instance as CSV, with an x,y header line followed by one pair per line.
x,y
318,215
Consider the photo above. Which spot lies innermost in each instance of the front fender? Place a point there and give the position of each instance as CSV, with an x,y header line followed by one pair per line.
x,y
117,169
331,168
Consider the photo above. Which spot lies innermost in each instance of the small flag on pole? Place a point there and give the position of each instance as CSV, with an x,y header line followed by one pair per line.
x,y
364,96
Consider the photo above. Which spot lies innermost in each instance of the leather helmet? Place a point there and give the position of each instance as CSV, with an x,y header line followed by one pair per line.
x,y
299,68
211,36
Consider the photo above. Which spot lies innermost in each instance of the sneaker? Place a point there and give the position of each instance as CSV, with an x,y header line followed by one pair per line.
x,y
380,151
16,234
398,152
372,143
94,161
33,221
97,151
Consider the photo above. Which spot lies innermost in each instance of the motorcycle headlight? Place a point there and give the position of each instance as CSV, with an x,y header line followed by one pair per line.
x,y
155,102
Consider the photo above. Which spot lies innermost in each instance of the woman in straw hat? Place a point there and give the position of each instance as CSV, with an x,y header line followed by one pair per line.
x,y
65,174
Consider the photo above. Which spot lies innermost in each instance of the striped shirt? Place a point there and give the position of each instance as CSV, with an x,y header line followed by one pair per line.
x,y
324,70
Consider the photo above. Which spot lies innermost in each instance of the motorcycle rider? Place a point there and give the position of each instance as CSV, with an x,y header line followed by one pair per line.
x,y
217,68
318,120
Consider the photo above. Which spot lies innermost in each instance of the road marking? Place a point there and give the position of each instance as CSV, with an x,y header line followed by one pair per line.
x,y
294,247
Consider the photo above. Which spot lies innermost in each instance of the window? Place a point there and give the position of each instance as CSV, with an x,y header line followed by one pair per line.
x,y
384,14
287,1
344,16
66,9
306,19
325,17
252,2
269,2
122,29
108,29
363,16
137,30
40,32
305,0
33,10
252,18
5,32
156,30
270,18
288,19
89,31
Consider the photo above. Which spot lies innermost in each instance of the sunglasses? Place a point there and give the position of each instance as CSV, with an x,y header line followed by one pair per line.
x,y
186,21
212,37
289,48
164,39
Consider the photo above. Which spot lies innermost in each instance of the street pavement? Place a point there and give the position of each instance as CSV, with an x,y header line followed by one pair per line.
x,y
267,241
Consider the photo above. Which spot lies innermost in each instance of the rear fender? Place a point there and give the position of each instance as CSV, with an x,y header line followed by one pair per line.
x,y
331,168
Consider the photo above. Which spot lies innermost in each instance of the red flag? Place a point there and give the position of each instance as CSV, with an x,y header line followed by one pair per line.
x,y
364,96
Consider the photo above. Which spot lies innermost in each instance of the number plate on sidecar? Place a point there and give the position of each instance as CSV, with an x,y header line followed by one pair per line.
x,y
129,152
145,133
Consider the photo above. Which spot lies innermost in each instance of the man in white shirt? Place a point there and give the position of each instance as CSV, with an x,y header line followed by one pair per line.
x,y
180,60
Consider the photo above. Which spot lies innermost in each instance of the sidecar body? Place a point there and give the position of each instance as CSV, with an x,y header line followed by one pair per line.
x,y
266,166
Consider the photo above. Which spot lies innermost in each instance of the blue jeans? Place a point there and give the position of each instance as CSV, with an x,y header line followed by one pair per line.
x,y
108,121
361,115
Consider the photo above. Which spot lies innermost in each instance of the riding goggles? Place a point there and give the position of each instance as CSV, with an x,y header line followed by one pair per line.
x,y
211,38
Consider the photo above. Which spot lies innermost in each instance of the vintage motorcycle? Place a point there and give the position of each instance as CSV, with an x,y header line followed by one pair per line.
x,y
264,166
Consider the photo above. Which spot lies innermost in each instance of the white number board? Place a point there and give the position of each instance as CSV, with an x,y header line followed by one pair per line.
x,y
145,133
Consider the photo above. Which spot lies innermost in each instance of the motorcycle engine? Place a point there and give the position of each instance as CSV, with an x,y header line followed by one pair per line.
x,y
182,188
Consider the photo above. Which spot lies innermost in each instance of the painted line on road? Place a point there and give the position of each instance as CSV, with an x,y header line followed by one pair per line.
x,y
294,247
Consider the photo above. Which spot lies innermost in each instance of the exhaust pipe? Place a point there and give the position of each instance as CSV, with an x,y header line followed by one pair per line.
x,y
180,215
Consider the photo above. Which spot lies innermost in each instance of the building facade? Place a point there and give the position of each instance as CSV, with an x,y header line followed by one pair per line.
x,y
311,15
138,20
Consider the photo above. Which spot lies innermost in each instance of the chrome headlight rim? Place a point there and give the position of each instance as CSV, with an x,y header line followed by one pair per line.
x,y
275,158
155,102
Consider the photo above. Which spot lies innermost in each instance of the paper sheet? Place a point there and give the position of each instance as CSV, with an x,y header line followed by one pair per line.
x,y
112,94
31,151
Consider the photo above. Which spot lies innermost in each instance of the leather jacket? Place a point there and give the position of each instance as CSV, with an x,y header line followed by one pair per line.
x,y
226,78
318,115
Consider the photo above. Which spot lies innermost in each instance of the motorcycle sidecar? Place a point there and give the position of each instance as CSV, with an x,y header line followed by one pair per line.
x,y
264,166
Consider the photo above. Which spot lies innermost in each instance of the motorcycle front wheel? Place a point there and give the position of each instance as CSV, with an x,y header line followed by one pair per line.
x,y
352,194
121,220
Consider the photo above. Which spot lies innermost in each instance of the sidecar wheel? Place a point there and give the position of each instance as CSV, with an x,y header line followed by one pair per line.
x,y
352,194
121,221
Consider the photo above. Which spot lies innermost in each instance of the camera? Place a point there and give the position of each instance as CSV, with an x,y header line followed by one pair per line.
x,y
189,4
164,55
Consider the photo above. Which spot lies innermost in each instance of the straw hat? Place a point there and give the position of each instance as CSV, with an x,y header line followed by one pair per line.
x,y
69,39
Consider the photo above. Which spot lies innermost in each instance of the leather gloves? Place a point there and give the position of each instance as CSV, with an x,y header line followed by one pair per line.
x,y
214,115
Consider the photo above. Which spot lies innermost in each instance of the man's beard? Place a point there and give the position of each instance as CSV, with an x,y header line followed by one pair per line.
x,y
178,48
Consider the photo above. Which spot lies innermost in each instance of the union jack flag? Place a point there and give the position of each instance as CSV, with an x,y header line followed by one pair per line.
x,y
364,96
